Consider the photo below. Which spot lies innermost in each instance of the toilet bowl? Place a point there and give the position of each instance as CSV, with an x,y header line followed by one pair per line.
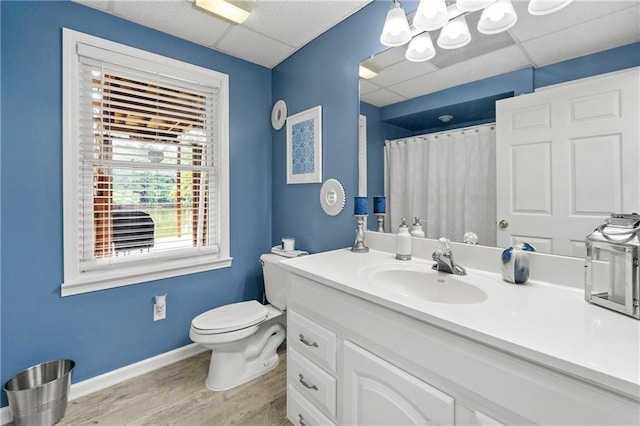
x,y
244,337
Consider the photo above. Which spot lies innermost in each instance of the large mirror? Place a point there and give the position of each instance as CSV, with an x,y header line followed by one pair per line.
x,y
457,89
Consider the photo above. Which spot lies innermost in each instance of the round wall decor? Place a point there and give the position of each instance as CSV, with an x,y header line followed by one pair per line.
x,y
278,114
332,197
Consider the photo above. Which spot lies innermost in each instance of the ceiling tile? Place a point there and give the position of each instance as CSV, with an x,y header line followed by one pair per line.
x,y
96,4
299,21
402,71
389,57
381,98
366,86
176,17
499,62
579,11
586,38
251,46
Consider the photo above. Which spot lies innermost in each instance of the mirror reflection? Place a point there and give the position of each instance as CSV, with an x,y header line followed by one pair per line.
x,y
438,118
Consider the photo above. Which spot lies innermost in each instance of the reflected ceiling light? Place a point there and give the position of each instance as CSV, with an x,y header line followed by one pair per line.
x,y
498,17
472,5
544,7
234,11
396,31
455,34
445,118
420,49
367,71
431,15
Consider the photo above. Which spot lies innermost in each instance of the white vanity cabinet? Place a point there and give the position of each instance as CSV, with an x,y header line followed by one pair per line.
x,y
375,365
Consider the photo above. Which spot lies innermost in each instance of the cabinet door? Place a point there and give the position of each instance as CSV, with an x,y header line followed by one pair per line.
x,y
567,157
378,393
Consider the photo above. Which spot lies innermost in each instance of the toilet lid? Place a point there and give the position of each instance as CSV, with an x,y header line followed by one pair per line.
x,y
235,316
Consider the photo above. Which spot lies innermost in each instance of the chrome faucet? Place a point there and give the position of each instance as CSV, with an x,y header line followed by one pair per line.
x,y
444,259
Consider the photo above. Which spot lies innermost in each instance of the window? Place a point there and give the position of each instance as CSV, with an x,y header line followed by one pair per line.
x,y
145,166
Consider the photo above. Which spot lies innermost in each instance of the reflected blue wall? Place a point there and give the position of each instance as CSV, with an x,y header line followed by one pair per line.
x,y
453,100
108,329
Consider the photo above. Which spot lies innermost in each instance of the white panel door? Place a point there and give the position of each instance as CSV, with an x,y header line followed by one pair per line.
x,y
567,156
378,393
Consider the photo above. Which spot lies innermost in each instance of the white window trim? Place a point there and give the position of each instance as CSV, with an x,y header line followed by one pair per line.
x,y
76,282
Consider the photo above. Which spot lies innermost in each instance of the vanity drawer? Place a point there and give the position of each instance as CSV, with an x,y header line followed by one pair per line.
x,y
312,340
312,382
302,412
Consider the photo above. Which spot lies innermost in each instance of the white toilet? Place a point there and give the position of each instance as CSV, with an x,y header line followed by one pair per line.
x,y
243,337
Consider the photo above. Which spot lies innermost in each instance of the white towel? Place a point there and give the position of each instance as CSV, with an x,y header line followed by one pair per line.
x,y
293,253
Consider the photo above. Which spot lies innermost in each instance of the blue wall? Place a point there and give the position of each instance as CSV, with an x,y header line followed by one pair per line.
x,y
108,329
324,72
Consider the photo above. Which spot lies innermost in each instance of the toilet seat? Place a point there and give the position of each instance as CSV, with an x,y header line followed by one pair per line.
x,y
228,318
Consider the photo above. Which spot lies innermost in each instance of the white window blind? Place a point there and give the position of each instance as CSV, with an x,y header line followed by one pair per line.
x,y
147,142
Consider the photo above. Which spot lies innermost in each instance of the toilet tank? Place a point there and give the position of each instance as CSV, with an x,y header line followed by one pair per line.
x,y
276,285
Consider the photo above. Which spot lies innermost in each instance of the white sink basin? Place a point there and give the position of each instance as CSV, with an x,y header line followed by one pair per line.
x,y
419,281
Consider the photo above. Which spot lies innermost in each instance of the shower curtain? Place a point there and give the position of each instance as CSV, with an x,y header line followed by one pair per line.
x,y
448,179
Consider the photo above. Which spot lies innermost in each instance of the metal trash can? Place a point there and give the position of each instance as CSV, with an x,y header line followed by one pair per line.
x,y
38,395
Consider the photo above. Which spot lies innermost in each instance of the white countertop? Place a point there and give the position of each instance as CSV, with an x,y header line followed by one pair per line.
x,y
548,324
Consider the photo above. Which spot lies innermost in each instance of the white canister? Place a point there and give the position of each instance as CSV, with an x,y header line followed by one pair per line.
x,y
403,242
288,244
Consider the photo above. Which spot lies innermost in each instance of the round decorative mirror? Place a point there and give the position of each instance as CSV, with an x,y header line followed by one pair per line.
x,y
332,197
279,114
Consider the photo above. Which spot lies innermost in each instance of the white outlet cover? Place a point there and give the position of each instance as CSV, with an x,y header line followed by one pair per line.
x,y
157,316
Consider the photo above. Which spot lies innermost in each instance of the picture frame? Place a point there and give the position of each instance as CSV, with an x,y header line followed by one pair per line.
x,y
304,146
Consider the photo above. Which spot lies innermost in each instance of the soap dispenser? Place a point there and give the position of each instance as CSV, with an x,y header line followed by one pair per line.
x,y
416,228
403,242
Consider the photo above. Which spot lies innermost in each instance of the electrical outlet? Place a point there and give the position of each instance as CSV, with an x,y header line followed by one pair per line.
x,y
159,312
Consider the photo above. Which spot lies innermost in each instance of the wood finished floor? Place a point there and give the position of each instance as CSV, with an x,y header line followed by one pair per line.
x,y
177,395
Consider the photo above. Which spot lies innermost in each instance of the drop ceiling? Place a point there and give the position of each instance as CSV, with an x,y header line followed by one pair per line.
x,y
582,28
274,30
278,28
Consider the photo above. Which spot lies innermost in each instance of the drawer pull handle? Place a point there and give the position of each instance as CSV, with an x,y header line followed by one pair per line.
x,y
301,421
305,384
306,342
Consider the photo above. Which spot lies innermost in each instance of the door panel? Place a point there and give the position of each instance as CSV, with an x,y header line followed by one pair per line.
x,y
567,157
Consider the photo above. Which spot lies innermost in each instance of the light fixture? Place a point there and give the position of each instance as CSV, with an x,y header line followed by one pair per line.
x,y
544,7
472,5
431,15
455,34
396,31
498,17
445,118
421,48
234,11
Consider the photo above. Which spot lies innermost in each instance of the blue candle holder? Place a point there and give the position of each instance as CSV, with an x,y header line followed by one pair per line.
x,y
379,205
361,206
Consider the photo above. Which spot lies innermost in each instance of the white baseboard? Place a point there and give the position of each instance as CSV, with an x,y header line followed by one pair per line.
x,y
114,377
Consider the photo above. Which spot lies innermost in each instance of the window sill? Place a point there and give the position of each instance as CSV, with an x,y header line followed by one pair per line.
x,y
102,280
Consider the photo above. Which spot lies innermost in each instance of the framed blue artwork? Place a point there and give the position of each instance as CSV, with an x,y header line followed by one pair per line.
x,y
304,146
